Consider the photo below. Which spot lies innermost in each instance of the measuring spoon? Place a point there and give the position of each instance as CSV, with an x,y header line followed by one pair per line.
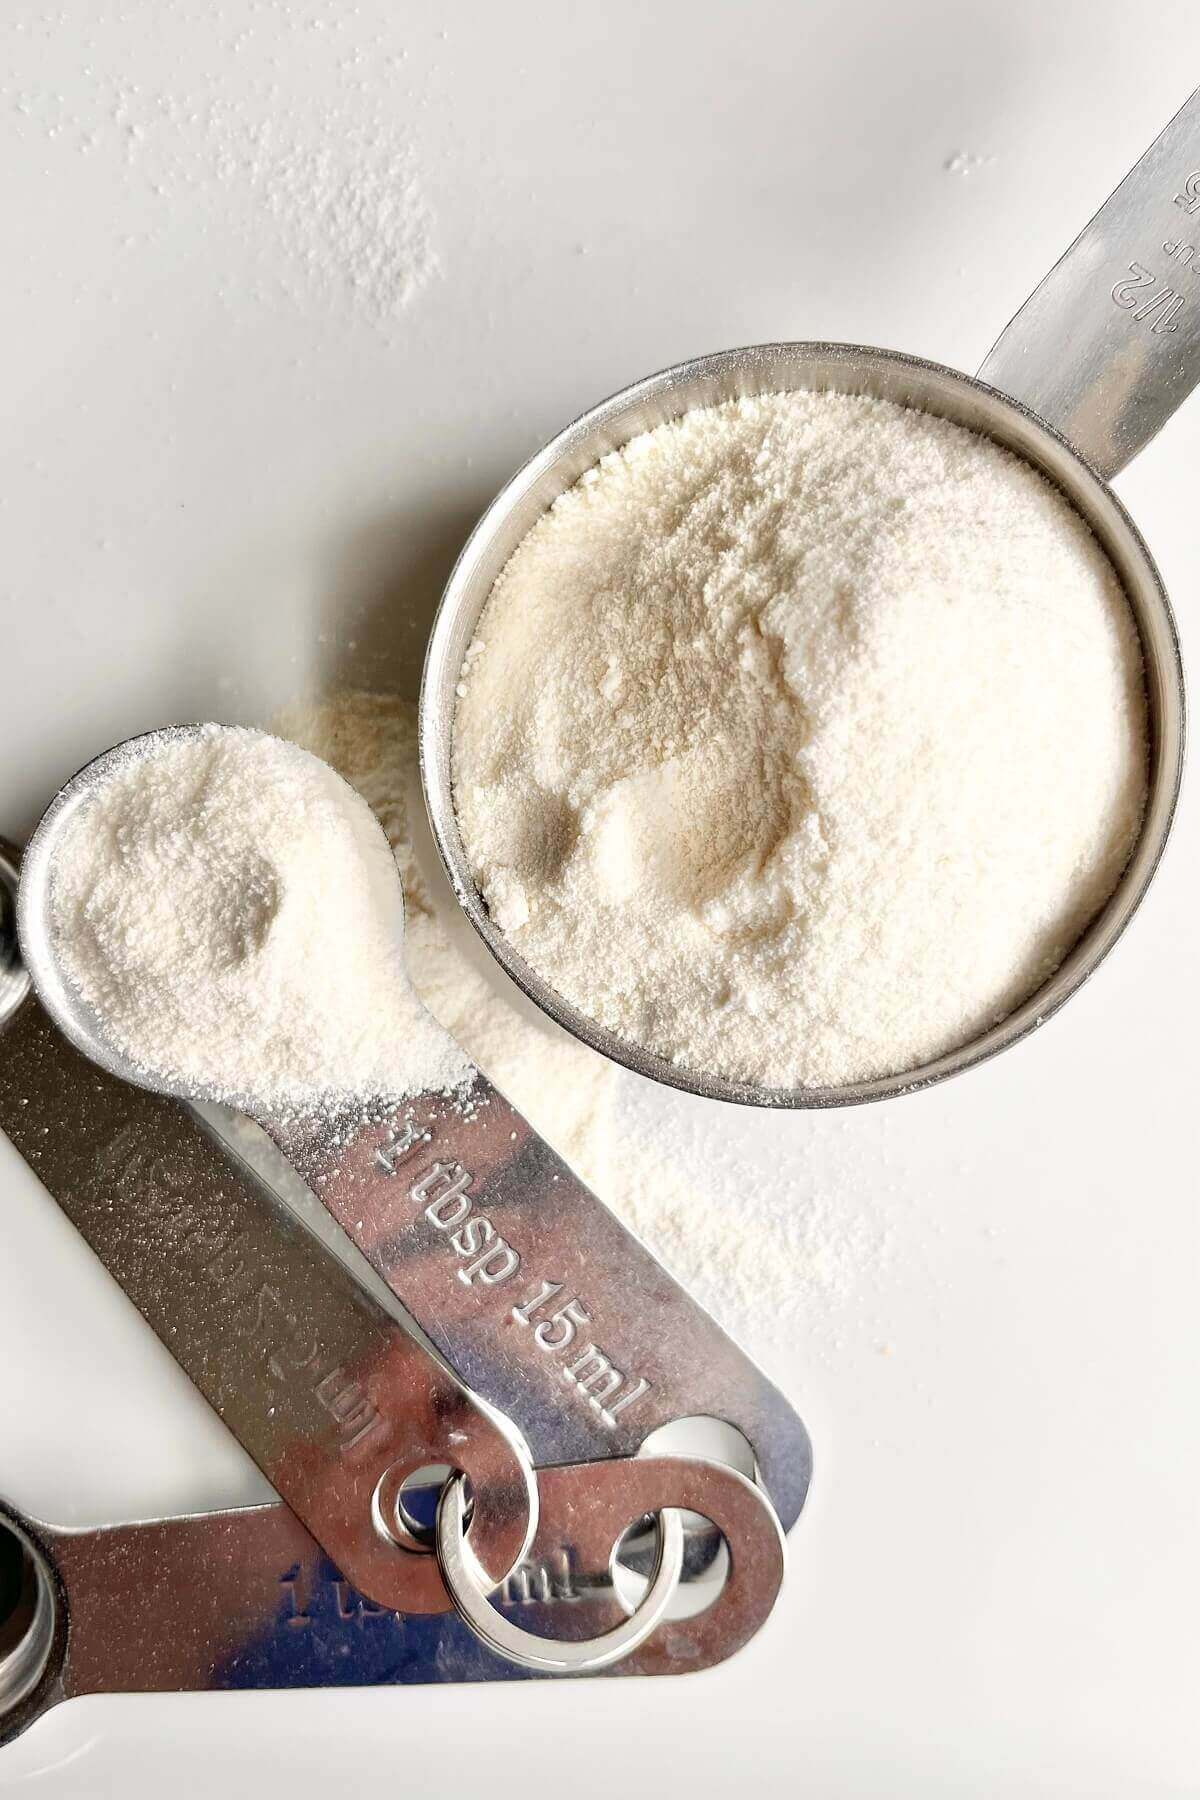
x,y
59,1112
336,1404
1087,372
332,1399
537,1296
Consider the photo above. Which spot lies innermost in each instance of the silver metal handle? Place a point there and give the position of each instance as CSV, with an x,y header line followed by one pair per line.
x,y
1108,345
333,1400
248,1598
537,1296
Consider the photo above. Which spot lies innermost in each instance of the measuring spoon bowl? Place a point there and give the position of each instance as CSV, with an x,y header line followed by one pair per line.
x,y
75,1017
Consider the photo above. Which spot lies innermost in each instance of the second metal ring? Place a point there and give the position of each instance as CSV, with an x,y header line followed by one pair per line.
x,y
469,1587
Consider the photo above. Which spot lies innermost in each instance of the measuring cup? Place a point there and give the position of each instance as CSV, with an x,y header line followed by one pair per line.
x,y
1094,363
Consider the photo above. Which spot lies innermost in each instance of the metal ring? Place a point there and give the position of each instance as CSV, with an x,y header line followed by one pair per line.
x,y
14,979
25,1648
469,1586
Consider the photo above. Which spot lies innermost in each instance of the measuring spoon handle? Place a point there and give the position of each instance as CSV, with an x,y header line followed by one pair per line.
x,y
329,1396
535,1293
1108,345
247,1598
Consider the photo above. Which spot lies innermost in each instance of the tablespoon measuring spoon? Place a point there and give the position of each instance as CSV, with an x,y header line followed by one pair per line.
x,y
1095,362
332,1398
538,1297
337,1404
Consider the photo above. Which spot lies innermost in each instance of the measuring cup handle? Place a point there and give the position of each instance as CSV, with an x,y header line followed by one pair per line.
x,y
1108,345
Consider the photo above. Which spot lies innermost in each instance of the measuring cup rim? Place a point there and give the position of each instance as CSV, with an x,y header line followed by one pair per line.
x,y
596,432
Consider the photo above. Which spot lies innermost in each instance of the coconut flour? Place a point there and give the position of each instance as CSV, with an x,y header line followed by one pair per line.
x,y
229,908
801,739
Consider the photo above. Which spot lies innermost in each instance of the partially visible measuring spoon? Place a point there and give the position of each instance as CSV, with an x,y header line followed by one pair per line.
x,y
534,1292
235,1289
332,1399
247,1598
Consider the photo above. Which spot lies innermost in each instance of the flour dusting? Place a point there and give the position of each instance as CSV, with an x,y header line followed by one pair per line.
x,y
328,199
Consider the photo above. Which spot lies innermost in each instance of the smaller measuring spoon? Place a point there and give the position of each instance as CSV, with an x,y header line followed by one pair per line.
x,y
534,1292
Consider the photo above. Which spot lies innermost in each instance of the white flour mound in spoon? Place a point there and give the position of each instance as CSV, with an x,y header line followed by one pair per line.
x,y
801,739
230,909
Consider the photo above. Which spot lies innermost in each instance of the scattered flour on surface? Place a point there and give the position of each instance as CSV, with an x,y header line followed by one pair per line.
x,y
668,1165
349,209
801,739
966,162
327,197
228,907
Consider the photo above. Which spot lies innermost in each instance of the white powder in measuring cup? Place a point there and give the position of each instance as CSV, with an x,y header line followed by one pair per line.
x,y
801,739
229,907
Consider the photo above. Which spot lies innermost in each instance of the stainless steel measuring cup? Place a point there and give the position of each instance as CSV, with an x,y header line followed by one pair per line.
x,y
1094,363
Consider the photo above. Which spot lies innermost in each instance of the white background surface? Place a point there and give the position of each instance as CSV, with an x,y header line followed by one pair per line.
x,y
224,478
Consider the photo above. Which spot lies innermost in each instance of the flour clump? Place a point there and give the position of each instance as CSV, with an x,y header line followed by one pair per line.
x,y
801,739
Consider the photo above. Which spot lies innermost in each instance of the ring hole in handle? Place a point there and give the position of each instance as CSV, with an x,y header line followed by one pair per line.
x,y
417,1500
706,1554
702,1579
406,1502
